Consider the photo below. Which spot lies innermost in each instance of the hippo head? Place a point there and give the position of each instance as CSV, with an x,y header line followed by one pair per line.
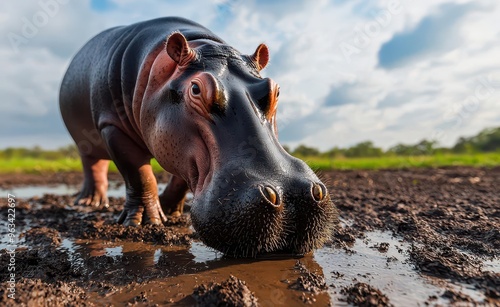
x,y
215,126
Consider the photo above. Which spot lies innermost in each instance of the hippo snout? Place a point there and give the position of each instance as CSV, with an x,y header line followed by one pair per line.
x,y
256,215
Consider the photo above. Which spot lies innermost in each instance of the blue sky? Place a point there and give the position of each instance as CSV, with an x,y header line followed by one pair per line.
x,y
388,71
434,34
102,5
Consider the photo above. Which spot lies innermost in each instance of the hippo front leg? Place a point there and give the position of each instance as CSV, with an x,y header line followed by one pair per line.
x,y
142,205
173,197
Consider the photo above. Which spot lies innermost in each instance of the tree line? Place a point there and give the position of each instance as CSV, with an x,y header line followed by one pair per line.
x,y
488,140
36,152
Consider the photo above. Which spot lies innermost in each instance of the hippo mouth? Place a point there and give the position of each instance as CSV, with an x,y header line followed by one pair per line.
x,y
202,163
202,175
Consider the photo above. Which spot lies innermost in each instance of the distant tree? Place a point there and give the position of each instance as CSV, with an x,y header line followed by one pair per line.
x,y
305,151
36,152
13,152
7,152
462,146
442,150
70,151
335,152
363,149
491,140
485,141
423,147
400,150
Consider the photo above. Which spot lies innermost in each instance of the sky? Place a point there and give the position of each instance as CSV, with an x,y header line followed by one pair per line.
x,y
392,72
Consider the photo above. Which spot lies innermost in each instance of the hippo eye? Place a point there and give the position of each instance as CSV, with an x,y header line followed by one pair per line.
x,y
278,93
195,89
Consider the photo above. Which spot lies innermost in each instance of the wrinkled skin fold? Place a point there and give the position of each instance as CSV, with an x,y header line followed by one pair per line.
x,y
170,89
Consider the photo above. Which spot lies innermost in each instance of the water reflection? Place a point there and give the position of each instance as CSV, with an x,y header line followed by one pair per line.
x,y
116,189
269,278
388,271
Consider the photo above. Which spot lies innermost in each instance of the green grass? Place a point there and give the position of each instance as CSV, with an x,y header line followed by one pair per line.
x,y
17,165
34,166
394,162
30,165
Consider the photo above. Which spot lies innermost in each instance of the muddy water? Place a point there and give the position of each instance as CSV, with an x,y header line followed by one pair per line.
x,y
269,277
188,268
117,189
165,274
388,271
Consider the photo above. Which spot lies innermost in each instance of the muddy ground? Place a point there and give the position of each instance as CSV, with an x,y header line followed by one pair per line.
x,y
440,225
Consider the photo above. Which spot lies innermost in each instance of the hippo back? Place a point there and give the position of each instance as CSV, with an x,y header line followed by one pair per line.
x,y
133,44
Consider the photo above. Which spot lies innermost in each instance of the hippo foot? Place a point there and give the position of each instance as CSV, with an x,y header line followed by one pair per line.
x,y
92,197
173,197
174,210
135,215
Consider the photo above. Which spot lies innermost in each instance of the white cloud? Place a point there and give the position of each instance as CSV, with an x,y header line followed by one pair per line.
x,y
406,104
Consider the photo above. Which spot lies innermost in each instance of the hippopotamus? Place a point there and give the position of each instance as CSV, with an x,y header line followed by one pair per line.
x,y
171,90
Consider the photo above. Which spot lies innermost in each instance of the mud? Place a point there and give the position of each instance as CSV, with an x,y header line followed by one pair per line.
x,y
232,292
450,216
407,237
41,236
362,294
308,281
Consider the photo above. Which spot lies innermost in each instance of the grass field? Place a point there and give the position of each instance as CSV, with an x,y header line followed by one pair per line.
x,y
316,163
396,162
17,165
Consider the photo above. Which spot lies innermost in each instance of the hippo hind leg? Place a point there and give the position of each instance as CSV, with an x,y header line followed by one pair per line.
x,y
173,197
142,205
95,184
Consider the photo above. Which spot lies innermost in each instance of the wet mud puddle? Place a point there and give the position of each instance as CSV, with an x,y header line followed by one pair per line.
x,y
120,272
378,260
381,260
76,255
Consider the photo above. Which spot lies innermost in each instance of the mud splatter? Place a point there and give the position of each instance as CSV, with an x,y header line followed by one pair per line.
x,y
231,292
361,294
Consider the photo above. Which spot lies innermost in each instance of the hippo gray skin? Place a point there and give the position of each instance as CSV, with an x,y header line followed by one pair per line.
x,y
170,89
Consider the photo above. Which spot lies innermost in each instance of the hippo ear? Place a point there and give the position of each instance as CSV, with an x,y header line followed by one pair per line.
x,y
178,49
261,56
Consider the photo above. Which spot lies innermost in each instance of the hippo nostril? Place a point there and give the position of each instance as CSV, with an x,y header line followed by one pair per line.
x,y
271,195
318,191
